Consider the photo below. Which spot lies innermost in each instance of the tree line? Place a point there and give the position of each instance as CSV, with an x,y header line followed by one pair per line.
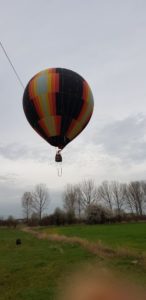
x,y
111,201
115,196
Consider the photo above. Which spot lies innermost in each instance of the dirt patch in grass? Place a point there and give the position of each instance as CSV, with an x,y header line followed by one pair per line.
x,y
96,248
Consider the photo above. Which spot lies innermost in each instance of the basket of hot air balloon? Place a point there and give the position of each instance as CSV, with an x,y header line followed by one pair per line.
x,y
58,104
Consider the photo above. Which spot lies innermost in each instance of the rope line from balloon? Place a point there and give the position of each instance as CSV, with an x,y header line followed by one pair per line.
x,y
59,171
12,66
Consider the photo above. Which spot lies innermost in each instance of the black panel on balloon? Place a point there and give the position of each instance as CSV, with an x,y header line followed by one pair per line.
x,y
39,130
65,123
68,105
58,141
70,82
29,109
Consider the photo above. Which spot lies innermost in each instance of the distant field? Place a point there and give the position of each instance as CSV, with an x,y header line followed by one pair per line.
x,y
132,236
34,270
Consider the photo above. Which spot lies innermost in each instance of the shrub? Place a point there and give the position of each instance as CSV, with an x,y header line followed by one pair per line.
x,y
97,214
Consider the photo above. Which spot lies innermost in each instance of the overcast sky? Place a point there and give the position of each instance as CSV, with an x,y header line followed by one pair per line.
x,y
105,42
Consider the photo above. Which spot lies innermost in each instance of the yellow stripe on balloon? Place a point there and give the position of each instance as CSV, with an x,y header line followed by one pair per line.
x,y
49,81
75,130
42,123
50,124
77,125
86,114
41,96
90,97
45,105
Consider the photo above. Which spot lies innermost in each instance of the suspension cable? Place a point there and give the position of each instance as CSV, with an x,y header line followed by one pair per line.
x,y
12,66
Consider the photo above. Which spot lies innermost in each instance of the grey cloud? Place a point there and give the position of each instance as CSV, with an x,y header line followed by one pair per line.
x,y
8,177
125,138
10,200
12,151
17,151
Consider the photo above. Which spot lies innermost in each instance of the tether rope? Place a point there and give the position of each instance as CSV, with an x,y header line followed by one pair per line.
x,y
12,66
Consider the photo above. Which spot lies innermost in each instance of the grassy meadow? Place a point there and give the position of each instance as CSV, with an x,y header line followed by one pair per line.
x,y
37,268
129,235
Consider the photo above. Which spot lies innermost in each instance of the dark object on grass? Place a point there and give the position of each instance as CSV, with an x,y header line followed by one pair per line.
x,y
18,242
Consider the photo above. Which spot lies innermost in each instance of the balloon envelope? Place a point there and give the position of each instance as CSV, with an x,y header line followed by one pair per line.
x,y
58,104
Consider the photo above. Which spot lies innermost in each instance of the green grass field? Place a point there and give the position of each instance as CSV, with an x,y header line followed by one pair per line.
x,y
116,235
35,270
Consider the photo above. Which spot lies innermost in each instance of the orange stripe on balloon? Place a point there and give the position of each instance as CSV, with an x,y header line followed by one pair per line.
x,y
78,125
44,127
49,82
48,104
52,82
85,91
83,111
51,104
38,108
50,79
51,70
71,127
75,129
31,87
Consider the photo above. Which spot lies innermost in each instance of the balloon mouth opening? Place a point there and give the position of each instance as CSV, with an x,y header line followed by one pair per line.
x,y
58,141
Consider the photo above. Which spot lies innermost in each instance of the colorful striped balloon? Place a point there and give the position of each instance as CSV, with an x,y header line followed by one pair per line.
x,y
58,104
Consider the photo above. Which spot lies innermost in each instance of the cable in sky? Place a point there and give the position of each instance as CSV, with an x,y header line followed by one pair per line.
x,y
10,62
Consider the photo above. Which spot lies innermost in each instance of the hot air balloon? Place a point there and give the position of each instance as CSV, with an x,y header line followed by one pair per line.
x,y
58,104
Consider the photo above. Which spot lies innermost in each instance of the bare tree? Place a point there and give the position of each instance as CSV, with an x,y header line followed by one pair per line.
x,y
69,198
127,199
40,199
27,205
143,186
88,192
136,195
72,199
105,194
117,190
78,202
